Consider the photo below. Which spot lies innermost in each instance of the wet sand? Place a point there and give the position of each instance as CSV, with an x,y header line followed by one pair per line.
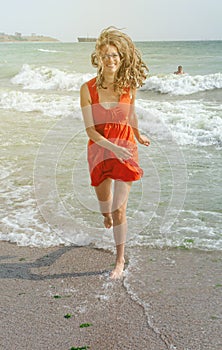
x,y
39,287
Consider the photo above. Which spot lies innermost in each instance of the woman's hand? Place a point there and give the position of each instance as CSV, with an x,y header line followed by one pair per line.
x,y
122,153
143,140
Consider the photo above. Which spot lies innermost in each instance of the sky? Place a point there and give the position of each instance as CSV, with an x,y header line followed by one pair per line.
x,y
141,19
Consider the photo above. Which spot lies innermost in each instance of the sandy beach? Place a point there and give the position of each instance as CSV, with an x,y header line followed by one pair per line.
x,y
61,298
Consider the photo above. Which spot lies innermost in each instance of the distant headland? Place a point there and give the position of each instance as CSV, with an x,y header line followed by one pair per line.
x,y
18,37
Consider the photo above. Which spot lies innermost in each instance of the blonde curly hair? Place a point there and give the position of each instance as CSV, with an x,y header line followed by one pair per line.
x,y
132,71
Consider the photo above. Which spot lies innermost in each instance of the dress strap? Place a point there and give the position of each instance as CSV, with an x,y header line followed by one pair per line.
x,y
93,90
125,97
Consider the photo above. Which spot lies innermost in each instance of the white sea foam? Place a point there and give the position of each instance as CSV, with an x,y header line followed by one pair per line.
x,y
47,50
183,84
188,122
23,224
52,106
45,78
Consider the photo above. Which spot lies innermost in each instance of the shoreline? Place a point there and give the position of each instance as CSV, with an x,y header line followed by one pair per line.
x,y
39,286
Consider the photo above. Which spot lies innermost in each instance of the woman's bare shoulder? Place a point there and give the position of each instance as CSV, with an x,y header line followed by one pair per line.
x,y
85,97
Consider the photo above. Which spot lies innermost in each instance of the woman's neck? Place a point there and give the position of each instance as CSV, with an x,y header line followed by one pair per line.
x,y
108,80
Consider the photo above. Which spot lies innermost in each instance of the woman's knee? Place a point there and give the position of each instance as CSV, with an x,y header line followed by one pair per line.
x,y
119,215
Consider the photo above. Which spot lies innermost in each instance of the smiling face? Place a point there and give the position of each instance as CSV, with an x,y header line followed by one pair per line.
x,y
110,59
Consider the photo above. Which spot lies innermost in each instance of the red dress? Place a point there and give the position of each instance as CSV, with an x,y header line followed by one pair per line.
x,y
113,124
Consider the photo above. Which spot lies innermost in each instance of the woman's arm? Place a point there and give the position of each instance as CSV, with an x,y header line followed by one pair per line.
x,y
121,153
133,120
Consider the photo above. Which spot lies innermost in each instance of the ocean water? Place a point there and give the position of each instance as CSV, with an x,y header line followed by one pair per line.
x,y
45,194
46,198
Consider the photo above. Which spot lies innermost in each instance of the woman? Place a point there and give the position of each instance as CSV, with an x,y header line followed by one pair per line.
x,y
107,103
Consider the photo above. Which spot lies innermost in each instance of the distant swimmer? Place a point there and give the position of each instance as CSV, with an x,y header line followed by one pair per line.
x,y
179,70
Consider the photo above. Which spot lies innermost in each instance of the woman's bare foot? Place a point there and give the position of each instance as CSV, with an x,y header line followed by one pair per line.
x,y
118,270
108,221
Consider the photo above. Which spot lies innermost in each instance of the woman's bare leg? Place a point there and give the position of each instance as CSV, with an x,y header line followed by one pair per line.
x,y
120,199
114,212
104,195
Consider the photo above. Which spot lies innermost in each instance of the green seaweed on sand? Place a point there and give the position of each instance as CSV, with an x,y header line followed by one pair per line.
x,y
188,240
61,296
68,316
213,317
186,244
83,325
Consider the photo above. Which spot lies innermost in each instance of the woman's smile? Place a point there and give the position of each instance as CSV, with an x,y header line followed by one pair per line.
x,y
110,58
